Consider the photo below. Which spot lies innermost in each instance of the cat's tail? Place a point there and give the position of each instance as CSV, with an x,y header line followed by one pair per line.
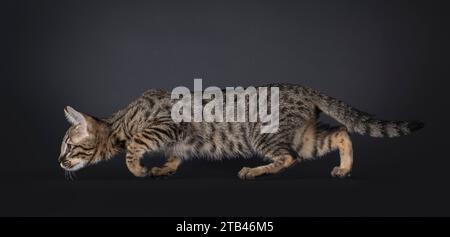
x,y
361,122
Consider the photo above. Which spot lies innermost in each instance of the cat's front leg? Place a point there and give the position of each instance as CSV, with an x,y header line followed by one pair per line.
x,y
133,160
281,160
139,145
169,168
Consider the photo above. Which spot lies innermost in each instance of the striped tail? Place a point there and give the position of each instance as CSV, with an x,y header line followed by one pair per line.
x,y
361,122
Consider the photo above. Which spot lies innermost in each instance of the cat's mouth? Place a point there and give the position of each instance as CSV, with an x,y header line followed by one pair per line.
x,y
71,166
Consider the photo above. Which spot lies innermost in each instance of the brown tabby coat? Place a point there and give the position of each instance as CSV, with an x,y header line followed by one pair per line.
x,y
146,125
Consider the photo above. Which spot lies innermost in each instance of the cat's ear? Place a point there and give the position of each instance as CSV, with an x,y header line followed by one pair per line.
x,y
74,117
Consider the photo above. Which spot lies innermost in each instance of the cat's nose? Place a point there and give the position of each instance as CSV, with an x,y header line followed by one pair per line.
x,y
64,163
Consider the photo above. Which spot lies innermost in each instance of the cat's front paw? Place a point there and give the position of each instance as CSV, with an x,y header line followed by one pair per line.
x,y
140,172
161,171
247,173
339,172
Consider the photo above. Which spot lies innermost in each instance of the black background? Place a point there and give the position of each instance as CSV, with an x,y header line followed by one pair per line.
x,y
385,57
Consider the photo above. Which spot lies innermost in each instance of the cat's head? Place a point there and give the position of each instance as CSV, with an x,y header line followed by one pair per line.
x,y
80,144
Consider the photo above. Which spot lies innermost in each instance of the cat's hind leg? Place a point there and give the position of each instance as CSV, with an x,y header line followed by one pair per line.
x,y
341,140
315,140
169,168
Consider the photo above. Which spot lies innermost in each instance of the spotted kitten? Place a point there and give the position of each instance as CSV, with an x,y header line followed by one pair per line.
x,y
146,125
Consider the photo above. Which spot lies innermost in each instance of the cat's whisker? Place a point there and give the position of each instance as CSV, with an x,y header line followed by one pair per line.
x,y
68,175
71,175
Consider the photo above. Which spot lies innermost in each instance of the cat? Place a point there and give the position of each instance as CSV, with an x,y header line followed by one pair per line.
x,y
146,125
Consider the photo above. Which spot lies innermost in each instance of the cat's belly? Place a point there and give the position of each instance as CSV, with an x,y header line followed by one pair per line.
x,y
211,150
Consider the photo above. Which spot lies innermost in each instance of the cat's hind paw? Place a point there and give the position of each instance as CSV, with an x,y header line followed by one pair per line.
x,y
339,172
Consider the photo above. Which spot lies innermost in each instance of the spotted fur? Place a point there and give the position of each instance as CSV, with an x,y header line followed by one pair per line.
x,y
146,125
